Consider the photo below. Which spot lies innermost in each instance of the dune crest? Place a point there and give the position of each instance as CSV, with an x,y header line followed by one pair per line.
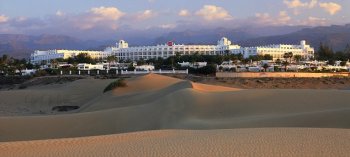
x,y
212,88
149,82
153,82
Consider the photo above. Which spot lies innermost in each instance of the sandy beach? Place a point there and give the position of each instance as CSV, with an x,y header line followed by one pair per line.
x,y
157,115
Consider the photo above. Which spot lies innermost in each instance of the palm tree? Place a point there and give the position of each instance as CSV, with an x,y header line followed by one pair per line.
x,y
265,66
288,55
278,61
285,64
297,58
111,59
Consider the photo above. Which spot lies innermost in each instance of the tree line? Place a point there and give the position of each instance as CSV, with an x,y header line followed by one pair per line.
x,y
9,65
326,53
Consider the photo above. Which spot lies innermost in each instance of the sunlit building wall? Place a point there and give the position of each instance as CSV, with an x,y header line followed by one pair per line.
x,y
38,56
277,51
124,52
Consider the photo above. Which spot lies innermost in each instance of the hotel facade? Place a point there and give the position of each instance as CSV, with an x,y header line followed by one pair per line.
x,y
123,52
277,51
38,56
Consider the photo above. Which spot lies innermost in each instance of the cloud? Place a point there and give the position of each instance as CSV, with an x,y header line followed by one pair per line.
x,y
107,17
3,18
147,14
331,7
167,26
59,13
299,4
283,18
313,3
184,12
313,21
265,19
109,13
212,12
294,3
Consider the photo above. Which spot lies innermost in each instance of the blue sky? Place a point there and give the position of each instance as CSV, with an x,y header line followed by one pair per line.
x,y
89,16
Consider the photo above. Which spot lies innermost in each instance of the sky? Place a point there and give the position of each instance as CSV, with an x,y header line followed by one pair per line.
x,y
98,18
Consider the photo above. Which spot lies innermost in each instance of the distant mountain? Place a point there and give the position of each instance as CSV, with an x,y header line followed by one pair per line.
x,y
20,46
210,36
335,36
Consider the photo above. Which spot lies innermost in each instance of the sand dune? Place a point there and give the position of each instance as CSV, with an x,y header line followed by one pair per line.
x,y
155,102
289,142
41,99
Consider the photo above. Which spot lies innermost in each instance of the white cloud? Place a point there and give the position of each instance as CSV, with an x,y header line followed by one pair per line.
x,y
314,21
21,19
265,19
184,12
313,3
147,14
331,7
294,3
108,13
3,18
97,17
300,4
59,13
283,18
212,12
168,26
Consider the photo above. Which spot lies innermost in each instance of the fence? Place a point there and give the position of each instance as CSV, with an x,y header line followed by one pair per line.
x,y
156,72
122,72
278,74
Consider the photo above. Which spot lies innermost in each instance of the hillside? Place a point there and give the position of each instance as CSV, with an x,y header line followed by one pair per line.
x,y
335,36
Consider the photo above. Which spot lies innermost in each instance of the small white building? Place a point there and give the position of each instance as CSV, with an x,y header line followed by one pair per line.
x,y
193,65
227,65
145,67
85,66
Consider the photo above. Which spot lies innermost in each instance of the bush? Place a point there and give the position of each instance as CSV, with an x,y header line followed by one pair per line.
x,y
207,70
40,73
22,86
115,84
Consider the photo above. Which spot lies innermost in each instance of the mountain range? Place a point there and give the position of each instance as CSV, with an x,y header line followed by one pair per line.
x,y
336,36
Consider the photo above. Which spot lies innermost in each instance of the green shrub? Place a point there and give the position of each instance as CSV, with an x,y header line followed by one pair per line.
x,y
115,84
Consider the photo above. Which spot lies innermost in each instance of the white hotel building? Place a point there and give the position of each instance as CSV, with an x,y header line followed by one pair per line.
x,y
277,51
38,56
123,52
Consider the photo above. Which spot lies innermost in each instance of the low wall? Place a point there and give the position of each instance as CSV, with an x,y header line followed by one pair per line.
x,y
278,74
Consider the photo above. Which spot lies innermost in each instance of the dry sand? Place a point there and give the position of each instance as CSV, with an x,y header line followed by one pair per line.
x,y
155,102
289,142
